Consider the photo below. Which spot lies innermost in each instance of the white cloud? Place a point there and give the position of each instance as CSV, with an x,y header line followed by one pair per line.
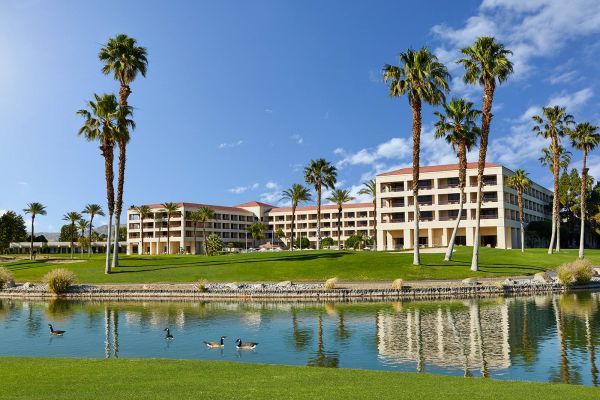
x,y
395,148
297,138
572,101
272,194
22,183
271,185
563,77
231,144
268,111
243,189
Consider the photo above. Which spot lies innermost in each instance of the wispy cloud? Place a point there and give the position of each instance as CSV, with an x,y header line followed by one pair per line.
x,y
231,144
297,138
243,189
268,111
572,101
22,183
395,148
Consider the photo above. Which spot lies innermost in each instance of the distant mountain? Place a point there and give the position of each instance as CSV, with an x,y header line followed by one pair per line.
x,y
50,236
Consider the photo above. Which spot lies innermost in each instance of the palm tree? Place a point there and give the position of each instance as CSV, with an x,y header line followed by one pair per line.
x,y
92,210
34,209
206,214
100,124
296,194
520,182
72,217
195,217
158,216
82,225
124,59
256,230
584,137
322,175
370,189
424,79
144,212
339,197
553,124
487,64
458,126
170,209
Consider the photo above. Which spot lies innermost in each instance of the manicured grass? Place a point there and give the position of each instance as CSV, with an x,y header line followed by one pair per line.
x,y
43,378
304,266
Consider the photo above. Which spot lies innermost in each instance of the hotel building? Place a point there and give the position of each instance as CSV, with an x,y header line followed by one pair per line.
x,y
438,203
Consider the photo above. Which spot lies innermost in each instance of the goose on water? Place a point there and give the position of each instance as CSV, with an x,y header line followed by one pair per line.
x,y
168,335
245,345
212,345
55,332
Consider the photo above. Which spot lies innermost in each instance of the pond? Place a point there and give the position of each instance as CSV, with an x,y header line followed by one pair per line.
x,y
540,338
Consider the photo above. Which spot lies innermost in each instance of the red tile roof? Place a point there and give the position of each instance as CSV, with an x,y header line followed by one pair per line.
x,y
435,168
324,207
197,205
255,204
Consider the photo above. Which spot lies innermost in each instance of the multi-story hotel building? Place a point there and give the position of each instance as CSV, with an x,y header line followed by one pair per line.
x,y
439,203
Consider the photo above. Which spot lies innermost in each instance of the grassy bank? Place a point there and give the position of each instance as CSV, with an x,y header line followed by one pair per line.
x,y
303,266
37,378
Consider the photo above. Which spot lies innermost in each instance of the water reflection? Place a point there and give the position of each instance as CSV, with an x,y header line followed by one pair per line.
x,y
546,338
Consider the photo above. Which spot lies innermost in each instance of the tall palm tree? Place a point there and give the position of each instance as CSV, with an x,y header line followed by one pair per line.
x,y
34,209
144,212
322,175
424,79
82,225
195,217
520,182
486,63
206,214
100,124
72,217
553,124
124,60
370,189
584,137
296,194
257,231
339,197
92,210
170,209
458,125
158,215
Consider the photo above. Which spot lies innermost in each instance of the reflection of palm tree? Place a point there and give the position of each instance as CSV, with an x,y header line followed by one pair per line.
x,y
302,337
342,332
106,332
115,333
463,349
323,358
420,358
33,323
591,349
476,314
564,360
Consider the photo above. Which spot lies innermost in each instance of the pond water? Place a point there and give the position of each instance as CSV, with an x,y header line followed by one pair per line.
x,y
543,338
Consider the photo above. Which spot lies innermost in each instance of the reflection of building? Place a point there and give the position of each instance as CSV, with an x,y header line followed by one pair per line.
x,y
448,337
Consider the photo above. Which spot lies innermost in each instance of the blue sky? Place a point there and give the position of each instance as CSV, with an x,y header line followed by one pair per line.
x,y
240,95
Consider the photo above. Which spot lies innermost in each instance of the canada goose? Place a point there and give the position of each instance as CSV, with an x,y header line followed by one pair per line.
x,y
245,345
168,335
55,332
212,345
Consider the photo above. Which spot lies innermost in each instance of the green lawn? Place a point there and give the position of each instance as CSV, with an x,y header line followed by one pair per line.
x,y
44,378
304,266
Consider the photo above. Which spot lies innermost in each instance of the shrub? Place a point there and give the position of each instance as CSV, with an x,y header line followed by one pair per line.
x,y
213,245
6,278
397,284
579,272
327,242
353,242
302,243
330,283
202,285
59,280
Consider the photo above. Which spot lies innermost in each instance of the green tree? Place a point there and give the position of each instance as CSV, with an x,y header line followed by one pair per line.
x,y
92,210
34,209
195,217
124,60
279,233
296,194
370,189
67,232
72,217
328,242
257,231
145,213
171,209
553,124
339,197
82,225
424,79
584,137
101,124
520,182
12,229
302,242
458,126
213,245
322,175
206,214
486,63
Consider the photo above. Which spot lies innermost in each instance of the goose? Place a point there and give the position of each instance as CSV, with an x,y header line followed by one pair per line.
x,y
168,335
55,332
245,345
212,345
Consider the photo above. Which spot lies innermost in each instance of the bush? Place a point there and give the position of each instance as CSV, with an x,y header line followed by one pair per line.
x,y
302,243
397,284
213,245
6,278
327,242
353,242
202,285
59,280
579,272
330,283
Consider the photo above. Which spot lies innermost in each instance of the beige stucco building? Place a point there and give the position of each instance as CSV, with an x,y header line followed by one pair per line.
x,y
439,202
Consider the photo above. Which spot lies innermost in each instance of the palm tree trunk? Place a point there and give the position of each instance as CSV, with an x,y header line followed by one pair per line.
x,y
339,228
119,203
108,153
318,218
416,111
204,238
553,235
583,205
520,200
292,227
555,199
32,236
375,223
450,249
142,233
90,235
462,173
169,234
486,121
107,269
195,240
72,238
